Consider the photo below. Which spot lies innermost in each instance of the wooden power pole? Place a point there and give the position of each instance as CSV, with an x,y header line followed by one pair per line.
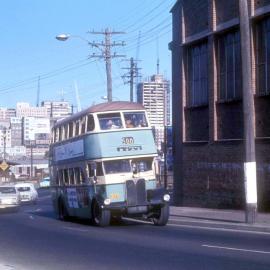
x,y
249,116
105,49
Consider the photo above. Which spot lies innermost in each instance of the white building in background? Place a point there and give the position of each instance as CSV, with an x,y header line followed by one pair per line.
x,y
7,113
36,129
23,109
5,138
57,109
154,95
3,113
16,131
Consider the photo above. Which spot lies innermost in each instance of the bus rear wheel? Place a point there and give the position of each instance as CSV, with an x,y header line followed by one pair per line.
x,y
162,215
101,217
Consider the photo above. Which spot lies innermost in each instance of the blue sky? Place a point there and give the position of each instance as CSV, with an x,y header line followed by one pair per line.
x,y
29,48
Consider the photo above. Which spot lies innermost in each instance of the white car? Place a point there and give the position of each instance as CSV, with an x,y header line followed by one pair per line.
x,y
9,197
27,192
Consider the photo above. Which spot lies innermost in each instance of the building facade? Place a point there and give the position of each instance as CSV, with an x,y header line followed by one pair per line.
x,y
16,131
57,109
207,102
24,109
154,95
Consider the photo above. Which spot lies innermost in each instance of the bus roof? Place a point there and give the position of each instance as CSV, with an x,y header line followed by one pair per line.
x,y
103,107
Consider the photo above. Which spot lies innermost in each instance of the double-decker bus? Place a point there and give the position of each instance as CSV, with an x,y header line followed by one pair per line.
x,y
102,166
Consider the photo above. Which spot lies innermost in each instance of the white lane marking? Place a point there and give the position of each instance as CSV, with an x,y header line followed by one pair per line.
x,y
219,229
75,229
196,221
32,211
237,249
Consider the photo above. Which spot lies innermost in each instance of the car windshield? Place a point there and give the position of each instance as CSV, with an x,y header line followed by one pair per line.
x,y
117,166
21,189
7,190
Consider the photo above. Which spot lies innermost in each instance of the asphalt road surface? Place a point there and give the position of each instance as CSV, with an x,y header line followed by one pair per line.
x,y
33,239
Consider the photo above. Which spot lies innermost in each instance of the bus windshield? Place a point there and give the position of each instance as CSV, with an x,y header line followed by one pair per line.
x,y
142,164
117,166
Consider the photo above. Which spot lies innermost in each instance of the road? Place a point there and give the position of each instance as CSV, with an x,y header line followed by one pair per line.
x,y
33,238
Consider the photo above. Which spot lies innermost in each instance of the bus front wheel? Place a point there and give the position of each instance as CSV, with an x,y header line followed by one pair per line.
x,y
162,215
101,217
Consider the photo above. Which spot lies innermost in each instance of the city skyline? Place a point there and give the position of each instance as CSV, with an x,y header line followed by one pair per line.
x,y
35,53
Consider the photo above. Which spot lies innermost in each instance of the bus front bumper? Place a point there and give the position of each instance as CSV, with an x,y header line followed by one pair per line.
x,y
154,198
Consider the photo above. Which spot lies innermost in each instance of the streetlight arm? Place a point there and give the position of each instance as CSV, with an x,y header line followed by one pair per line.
x,y
64,37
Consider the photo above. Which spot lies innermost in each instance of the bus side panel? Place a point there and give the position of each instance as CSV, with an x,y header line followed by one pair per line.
x,y
122,143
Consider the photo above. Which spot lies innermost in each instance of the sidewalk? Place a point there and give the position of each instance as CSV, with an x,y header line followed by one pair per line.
x,y
231,219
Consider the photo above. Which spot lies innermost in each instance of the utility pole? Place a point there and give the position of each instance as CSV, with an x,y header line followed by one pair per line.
x,y
105,49
249,119
131,75
38,91
32,144
5,142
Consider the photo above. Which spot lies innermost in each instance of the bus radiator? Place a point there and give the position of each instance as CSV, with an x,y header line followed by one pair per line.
x,y
136,193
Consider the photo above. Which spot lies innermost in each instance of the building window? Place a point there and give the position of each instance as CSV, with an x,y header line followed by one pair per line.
x,y
229,67
263,56
197,75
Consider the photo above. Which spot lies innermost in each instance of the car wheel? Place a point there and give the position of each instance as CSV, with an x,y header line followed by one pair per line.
x,y
161,216
101,217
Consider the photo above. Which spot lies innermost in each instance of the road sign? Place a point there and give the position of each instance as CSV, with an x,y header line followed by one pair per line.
x,y
4,166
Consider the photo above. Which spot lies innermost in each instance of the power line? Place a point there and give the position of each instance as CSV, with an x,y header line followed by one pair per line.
x,y
131,75
105,49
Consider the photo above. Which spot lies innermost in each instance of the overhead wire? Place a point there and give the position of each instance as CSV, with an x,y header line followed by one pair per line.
x,y
145,39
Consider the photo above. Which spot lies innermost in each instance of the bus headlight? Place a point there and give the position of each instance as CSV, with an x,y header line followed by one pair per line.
x,y
107,201
166,197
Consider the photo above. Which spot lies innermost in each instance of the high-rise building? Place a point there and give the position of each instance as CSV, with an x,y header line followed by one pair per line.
x,y
57,109
154,95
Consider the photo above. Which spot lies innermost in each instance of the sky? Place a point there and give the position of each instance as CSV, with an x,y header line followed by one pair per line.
x,y
31,56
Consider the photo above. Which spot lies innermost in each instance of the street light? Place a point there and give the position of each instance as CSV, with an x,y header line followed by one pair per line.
x,y
106,98
62,37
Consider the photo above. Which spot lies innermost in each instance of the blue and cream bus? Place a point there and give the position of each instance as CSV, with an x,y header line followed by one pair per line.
x,y
102,166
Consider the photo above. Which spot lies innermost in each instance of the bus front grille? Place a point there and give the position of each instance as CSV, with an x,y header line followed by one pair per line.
x,y
136,193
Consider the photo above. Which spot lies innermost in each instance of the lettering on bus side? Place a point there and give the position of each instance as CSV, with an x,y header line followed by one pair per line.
x,y
129,148
128,145
127,140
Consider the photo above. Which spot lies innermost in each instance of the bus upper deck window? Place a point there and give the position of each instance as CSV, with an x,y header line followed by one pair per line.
x,y
66,131
135,119
77,127
110,121
90,123
70,130
83,125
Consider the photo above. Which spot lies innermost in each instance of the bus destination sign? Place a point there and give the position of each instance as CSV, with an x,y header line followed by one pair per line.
x,y
128,144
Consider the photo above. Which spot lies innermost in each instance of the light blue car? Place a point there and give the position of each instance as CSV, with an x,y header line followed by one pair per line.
x,y
45,182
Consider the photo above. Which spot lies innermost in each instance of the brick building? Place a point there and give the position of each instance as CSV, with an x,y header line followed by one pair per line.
x,y
207,103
